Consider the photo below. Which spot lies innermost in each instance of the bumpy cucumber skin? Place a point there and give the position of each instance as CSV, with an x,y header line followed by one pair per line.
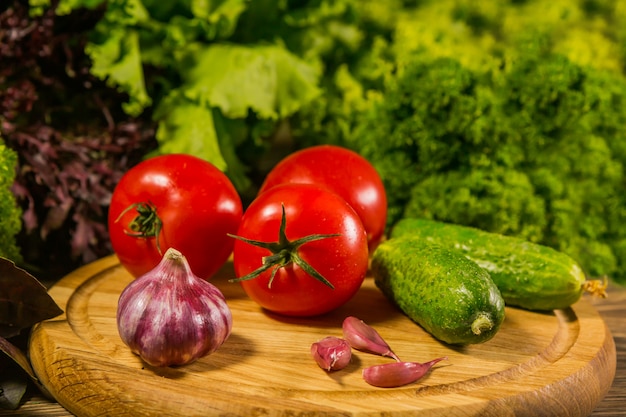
x,y
529,275
441,290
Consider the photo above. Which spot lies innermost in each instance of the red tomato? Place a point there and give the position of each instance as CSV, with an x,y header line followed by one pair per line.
x,y
346,173
309,210
196,204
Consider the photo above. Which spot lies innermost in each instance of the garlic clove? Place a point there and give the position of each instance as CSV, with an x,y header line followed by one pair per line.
x,y
397,374
331,353
169,316
363,337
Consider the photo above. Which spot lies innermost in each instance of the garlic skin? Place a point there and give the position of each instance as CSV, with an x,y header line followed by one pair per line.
x,y
170,317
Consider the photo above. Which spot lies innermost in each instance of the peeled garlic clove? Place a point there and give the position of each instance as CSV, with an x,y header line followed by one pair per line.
x,y
169,316
363,337
397,374
331,353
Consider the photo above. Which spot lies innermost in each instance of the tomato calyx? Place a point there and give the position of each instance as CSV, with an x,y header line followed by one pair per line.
x,y
284,252
146,224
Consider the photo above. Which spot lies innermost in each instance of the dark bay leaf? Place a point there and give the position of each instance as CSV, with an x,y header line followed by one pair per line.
x,y
24,301
13,385
18,359
17,356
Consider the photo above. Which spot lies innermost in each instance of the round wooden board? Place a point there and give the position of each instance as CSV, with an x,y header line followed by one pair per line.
x,y
560,363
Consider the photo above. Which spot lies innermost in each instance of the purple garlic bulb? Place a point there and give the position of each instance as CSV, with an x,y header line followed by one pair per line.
x,y
169,316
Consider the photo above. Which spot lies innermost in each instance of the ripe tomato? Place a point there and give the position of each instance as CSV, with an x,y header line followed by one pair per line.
x,y
197,207
287,287
346,173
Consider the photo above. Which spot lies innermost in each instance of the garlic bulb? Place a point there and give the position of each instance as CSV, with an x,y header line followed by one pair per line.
x,y
169,316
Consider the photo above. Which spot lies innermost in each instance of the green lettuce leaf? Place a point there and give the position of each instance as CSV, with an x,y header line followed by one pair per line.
x,y
118,60
228,94
116,52
222,14
187,127
64,7
266,79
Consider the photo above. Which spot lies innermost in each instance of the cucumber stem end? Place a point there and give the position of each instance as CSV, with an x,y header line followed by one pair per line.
x,y
596,287
481,323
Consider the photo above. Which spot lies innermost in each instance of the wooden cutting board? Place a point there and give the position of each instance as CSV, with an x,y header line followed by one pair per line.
x,y
560,363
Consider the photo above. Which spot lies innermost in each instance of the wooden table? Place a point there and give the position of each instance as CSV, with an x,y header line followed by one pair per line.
x,y
612,309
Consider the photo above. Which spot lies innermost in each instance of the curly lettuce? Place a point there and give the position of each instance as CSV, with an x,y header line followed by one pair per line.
x,y
10,213
534,150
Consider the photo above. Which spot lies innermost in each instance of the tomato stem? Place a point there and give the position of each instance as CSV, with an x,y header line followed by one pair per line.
x,y
284,252
146,224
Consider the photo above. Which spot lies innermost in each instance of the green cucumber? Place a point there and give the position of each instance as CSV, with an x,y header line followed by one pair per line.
x,y
529,275
451,297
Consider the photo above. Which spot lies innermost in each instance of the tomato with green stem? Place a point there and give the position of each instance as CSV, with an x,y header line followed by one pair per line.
x,y
300,250
178,201
344,172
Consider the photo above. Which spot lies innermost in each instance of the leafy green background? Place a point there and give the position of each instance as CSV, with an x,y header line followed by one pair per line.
x,y
507,115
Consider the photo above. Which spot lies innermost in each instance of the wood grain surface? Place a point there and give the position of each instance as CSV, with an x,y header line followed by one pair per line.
x,y
560,363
